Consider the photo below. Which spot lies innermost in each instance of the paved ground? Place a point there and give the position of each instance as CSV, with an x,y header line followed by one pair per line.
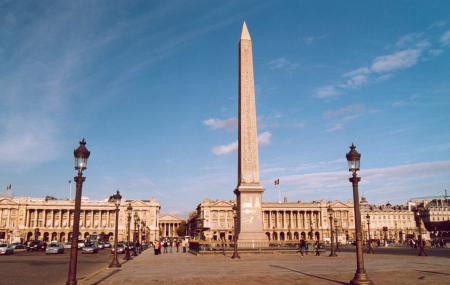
x,y
177,269
38,268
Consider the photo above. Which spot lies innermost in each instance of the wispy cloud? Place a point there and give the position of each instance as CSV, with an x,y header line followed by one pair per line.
x,y
312,39
327,91
263,139
221,124
445,38
351,109
374,180
283,64
411,49
336,127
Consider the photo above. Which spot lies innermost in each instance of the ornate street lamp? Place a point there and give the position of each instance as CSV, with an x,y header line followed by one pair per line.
x,y
235,236
420,240
127,247
137,223
353,158
330,214
370,248
81,155
116,200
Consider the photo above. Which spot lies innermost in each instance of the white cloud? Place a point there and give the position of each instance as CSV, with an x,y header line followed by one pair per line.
x,y
221,124
335,127
399,60
225,149
312,39
380,180
282,63
327,91
408,39
351,109
445,39
263,139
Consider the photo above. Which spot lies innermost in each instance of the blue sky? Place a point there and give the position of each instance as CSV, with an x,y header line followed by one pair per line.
x,y
152,86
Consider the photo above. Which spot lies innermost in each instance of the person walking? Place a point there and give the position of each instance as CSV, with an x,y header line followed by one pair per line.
x,y
302,247
165,245
317,248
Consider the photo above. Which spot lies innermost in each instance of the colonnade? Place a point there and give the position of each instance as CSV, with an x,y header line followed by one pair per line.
x,y
169,229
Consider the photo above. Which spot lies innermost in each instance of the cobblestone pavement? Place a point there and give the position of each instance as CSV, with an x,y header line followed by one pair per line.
x,y
178,268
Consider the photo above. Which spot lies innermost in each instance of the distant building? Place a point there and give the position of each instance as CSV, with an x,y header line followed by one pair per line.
x,y
213,220
24,219
168,225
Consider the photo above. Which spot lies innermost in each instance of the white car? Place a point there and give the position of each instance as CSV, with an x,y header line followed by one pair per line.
x,y
6,249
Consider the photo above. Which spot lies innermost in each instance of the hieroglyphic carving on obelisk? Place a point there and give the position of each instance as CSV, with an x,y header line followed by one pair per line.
x,y
249,189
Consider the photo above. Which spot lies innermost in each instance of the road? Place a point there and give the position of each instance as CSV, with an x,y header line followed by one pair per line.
x,y
38,268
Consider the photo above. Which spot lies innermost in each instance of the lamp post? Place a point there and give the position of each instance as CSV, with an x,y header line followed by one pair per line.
x,y
369,244
336,235
116,200
127,247
81,155
143,229
330,214
420,240
235,238
353,158
137,224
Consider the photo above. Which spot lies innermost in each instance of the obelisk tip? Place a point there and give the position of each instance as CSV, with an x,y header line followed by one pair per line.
x,y
245,35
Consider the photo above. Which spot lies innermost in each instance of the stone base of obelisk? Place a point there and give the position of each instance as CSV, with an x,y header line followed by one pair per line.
x,y
250,223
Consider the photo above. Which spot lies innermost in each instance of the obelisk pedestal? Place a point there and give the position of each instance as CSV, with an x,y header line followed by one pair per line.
x,y
249,189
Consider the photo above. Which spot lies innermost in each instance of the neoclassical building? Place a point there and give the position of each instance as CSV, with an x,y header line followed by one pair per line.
x,y
168,225
24,218
213,220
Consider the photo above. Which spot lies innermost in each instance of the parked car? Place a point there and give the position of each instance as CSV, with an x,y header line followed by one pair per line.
x,y
107,245
81,244
54,247
36,245
101,245
90,248
6,249
120,248
67,245
17,246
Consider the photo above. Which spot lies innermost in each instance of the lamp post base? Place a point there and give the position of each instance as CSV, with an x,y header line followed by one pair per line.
x,y
332,254
115,264
235,255
361,278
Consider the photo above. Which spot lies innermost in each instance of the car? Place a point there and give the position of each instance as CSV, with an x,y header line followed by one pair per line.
x,y
54,247
90,248
36,245
68,245
120,248
6,249
107,245
101,245
17,246
81,244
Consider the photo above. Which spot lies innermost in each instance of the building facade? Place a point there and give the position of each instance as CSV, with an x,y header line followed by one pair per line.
x,y
23,219
213,220
168,225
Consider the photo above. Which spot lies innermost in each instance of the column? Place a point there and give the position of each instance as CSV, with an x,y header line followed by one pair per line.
x,y
52,218
269,223
92,218
108,219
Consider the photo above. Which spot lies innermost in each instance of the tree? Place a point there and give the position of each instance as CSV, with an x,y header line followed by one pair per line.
x,y
181,230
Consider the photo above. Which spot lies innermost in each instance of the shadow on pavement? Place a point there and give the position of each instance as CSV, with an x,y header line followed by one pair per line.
x,y
106,277
310,275
434,272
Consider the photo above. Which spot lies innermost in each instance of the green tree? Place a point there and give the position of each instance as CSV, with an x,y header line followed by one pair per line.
x,y
181,230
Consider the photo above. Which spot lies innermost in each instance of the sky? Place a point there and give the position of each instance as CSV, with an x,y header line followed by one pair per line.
x,y
152,86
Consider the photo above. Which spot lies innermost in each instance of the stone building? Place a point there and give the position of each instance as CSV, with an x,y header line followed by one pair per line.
x,y
168,225
24,219
388,222
213,220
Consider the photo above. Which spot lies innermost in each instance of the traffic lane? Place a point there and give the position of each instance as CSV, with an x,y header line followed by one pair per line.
x,y
439,252
40,268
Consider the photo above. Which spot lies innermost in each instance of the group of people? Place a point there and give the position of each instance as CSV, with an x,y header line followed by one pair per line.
x,y
169,246
304,248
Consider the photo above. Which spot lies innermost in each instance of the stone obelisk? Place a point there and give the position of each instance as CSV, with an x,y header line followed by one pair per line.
x,y
249,190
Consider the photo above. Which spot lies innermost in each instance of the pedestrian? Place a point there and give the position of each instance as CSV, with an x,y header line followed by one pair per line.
x,y
183,244
302,247
317,248
165,245
178,245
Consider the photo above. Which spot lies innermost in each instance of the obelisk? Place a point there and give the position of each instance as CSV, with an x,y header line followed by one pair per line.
x,y
249,190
